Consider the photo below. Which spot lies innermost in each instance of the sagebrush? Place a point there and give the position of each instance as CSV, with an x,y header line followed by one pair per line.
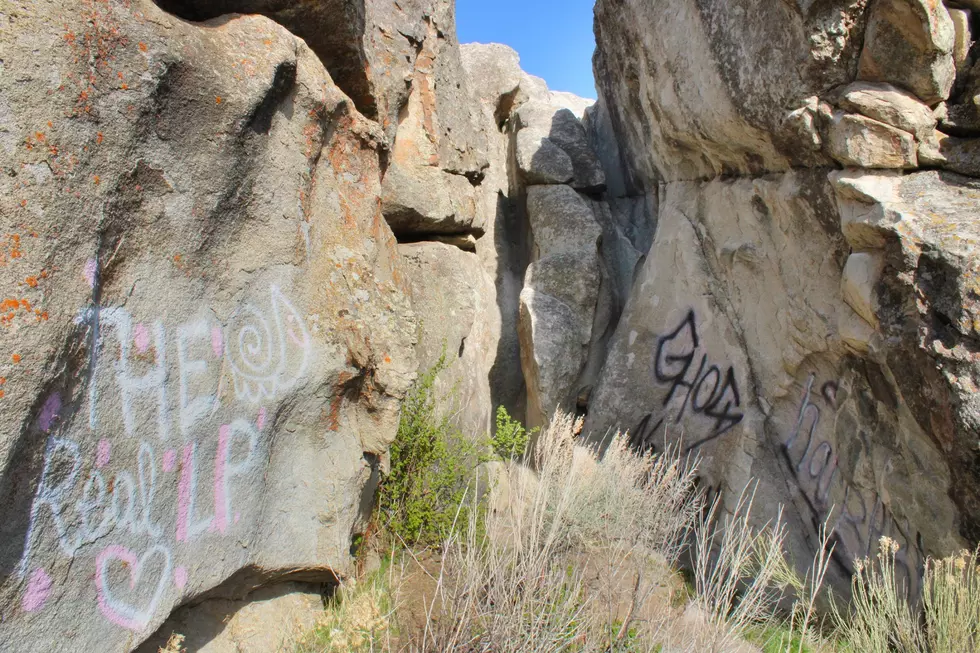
x,y
576,551
431,469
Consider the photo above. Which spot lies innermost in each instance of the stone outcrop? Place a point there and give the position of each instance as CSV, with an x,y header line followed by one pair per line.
x,y
439,153
227,251
910,43
372,49
459,322
233,231
558,302
206,328
808,329
701,89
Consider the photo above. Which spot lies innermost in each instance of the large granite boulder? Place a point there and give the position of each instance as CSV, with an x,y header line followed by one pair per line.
x,y
925,302
458,323
379,52
810,330
551,144
495,83
770,371
369,48
206,330
558,302
439,152
910,43
701,88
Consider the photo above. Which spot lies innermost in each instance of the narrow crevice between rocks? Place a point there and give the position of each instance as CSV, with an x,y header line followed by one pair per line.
x,y
465,240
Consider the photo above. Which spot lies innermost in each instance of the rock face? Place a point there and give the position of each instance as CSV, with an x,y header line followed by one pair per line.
x,y
559,298
459,320
700,89
206,327
813,330
439,153
910,43
208,321
233,231
370,48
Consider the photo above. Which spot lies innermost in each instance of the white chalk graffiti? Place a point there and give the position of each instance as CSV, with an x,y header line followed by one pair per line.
x,y
140,570
193,409
131,387
91,498
266,362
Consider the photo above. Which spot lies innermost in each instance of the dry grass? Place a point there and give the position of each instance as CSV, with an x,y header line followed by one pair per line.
x,y
567,558
581,555
175,644
359,618
881,618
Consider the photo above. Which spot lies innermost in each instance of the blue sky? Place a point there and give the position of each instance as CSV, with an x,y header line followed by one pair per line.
x,y
553,37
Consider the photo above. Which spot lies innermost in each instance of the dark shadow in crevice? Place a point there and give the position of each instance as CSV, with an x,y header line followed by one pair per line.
x,y
512,245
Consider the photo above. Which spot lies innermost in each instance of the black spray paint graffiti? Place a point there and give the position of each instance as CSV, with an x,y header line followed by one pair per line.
x,y
709,391
862,518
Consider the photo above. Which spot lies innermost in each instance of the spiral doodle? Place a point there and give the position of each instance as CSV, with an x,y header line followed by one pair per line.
x,y
267,357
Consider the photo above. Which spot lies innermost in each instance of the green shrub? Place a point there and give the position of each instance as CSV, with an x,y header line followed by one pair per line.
x,y
510,438
432,465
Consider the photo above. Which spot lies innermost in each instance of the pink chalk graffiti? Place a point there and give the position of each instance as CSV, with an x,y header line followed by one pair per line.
x,y
217,341
38,591
169,460
49,412
220,502
88,272
303,341
180,577
142,338
103,453
260,422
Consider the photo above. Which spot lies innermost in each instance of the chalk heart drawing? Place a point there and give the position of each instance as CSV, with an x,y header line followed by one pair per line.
x,y
268,352
149,576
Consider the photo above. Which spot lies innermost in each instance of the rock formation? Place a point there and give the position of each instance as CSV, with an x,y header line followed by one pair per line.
x,y
204,317
808,328
230,237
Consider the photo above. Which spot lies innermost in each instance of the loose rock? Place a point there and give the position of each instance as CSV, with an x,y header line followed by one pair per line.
x,y
862,142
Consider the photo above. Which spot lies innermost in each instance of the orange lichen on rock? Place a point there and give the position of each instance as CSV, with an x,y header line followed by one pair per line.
x,y
10,248
15,358
10,307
